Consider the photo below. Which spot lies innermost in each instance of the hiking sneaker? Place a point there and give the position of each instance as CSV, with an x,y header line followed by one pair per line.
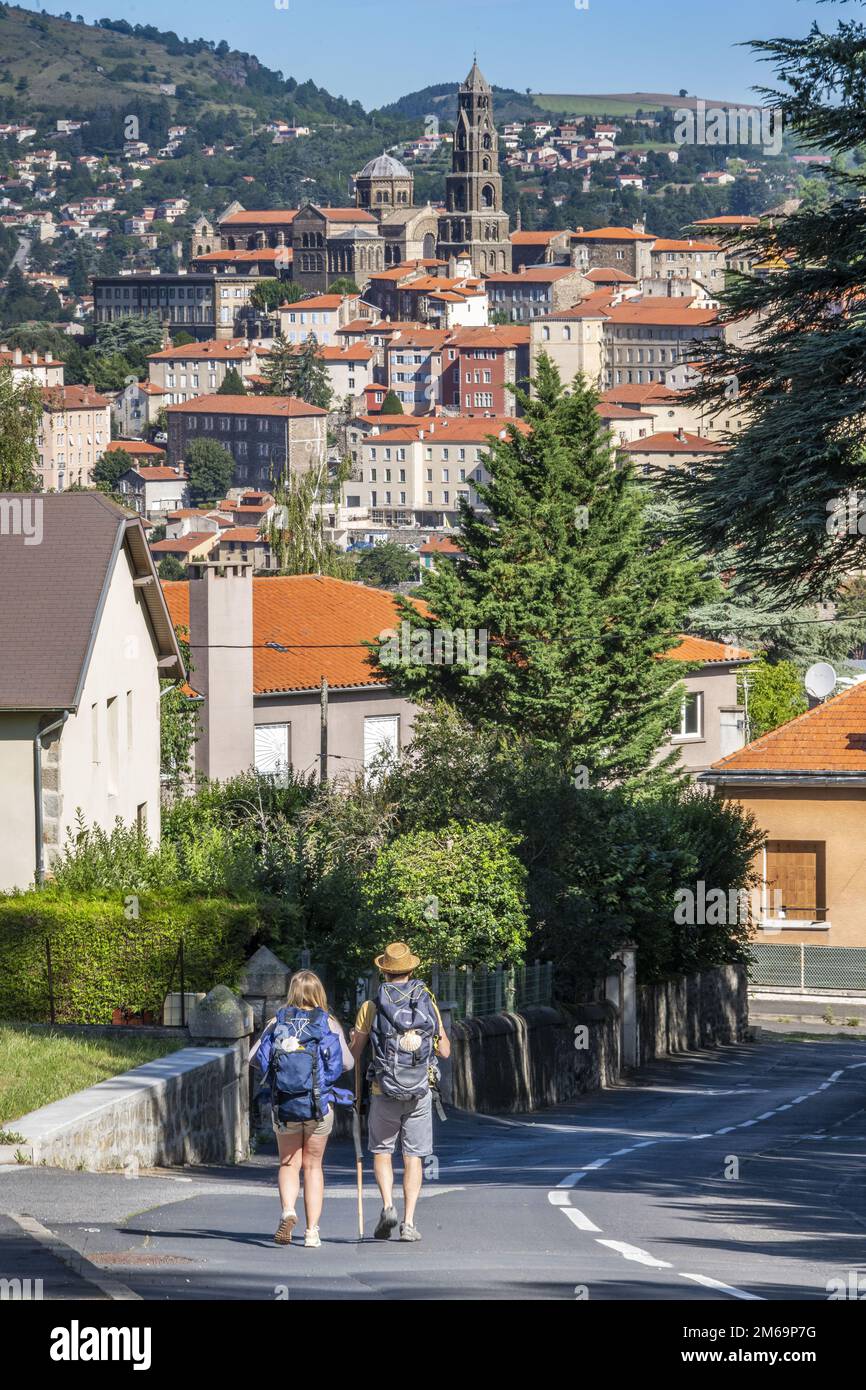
x,y
409,1232
311,1239
386,1224
283,1233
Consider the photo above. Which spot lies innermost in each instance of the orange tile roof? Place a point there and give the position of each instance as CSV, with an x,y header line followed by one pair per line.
x,y
534,238
209,347
447,429
184,543
705,651
159,473
324,623
440,545
662,310
318,301
640,395
345,214
253,218
289,406
264,253
830,738
72,398
496,336
677,244
604,275
726,220
136,447
532,274
670,442
243,534
614,234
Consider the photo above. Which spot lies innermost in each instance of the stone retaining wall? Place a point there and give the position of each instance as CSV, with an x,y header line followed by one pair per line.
x,y
188,1107
522,1062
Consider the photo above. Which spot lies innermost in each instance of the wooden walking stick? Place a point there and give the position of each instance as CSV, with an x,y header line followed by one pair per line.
x,y
359,1152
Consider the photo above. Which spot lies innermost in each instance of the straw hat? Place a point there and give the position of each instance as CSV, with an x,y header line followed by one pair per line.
x,y
396,959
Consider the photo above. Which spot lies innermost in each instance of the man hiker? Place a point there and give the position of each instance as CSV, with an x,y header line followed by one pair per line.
x,y
404,1029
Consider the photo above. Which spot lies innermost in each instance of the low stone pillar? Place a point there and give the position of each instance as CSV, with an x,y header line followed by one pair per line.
x,y
223,1020
263,984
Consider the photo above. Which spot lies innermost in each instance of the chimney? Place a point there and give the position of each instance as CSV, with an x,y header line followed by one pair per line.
x,y
34,357
681,435
17,357
49,357
220,638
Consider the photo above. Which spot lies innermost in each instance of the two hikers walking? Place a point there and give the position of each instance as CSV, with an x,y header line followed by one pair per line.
x,y
303,1053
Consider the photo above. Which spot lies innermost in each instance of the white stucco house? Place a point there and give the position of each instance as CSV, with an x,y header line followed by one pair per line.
x,y
86,638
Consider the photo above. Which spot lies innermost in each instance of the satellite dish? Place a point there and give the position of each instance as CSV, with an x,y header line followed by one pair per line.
x,y
820,680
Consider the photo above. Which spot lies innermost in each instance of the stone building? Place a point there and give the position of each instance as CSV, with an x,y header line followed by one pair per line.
x,y
335,243
385,187
474,220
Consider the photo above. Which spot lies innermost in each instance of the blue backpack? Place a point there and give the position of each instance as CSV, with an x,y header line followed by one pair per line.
x,y
303,1056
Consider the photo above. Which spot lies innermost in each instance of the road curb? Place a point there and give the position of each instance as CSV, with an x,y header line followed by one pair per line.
x,y
73,1259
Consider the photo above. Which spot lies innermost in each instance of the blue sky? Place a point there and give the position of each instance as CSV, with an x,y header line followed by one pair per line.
x,y
377,50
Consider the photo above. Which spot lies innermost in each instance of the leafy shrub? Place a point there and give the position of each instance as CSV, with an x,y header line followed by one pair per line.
x,y
456,895
104,957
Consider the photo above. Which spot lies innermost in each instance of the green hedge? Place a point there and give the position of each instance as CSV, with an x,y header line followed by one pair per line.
x,y
104,957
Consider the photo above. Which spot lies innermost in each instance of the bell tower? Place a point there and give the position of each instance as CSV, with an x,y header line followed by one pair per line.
x,y
474,220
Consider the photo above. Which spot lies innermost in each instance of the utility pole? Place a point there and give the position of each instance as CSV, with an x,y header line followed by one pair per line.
x,y
323,753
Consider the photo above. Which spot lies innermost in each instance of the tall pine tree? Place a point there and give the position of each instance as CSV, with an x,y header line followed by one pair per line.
x,y
576,603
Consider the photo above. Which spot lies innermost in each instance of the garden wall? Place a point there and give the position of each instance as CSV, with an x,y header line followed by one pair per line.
x,y
521,1062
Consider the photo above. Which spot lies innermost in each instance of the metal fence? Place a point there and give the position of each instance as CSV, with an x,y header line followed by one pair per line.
x,y
804,969
477,990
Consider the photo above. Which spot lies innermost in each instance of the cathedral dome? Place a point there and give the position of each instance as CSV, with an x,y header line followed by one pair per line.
x,y
384,166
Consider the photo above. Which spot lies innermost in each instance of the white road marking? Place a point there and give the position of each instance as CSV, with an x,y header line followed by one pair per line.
x,y
572,1179
724,1288
581,1221
558,1199
634,1252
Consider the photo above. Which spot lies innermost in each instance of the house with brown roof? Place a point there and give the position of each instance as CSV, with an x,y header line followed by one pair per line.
x,y
534,291
154,489
712,716
265,650
199,369
86,637
671,449
805,785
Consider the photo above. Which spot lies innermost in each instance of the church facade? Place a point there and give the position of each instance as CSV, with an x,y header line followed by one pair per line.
x,y
385,228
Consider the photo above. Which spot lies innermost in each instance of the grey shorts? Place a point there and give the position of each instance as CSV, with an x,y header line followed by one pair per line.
x,y
307,1128
410,1120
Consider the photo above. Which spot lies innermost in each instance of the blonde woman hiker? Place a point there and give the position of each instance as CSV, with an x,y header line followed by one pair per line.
x,y
404,1029
301,1054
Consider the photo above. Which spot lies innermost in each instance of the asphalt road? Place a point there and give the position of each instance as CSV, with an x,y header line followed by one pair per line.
x,y
731,1175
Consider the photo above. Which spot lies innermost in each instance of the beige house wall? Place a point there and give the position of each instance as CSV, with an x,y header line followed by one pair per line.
x,y
718,686
17,796
836,816
575,347
70,444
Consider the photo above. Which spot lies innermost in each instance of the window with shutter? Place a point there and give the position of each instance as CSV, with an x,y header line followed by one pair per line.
x,y
381,735
795,878
272,754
